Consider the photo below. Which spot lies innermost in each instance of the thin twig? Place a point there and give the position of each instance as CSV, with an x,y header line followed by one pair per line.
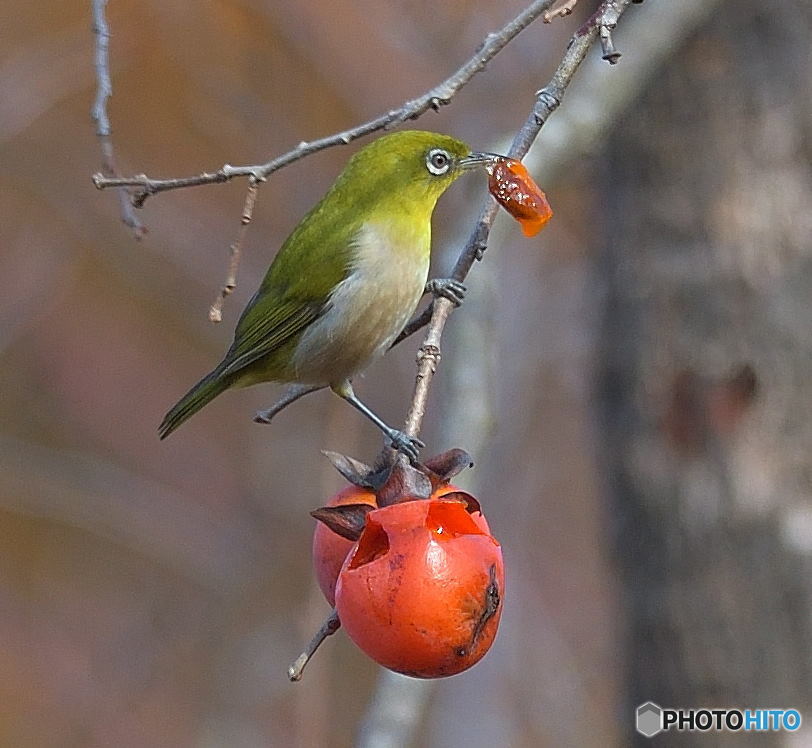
x,y
235,251
433,99
104,90
328,628
547,101
560,11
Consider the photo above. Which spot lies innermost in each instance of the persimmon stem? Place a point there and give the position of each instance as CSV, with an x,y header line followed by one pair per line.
x,y
328,628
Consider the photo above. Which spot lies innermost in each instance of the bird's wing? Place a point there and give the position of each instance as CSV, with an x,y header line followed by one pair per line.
x,y
296,290
260,333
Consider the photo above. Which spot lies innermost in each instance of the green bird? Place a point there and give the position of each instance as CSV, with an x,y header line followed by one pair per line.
x,y
347,279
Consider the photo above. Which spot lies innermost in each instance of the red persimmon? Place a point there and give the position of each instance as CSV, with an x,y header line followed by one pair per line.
x,y
330,549
421,592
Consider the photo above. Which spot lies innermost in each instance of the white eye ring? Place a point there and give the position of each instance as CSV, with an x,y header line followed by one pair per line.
x,y
438,161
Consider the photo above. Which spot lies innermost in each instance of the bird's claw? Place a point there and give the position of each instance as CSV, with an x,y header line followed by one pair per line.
x,y
408,445
447,288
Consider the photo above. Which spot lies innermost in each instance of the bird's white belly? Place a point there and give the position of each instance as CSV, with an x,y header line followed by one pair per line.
x,y
367,309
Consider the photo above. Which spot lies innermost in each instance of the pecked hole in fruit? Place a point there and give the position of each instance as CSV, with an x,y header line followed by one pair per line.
x,y
471,504
491,604
374,543
449,519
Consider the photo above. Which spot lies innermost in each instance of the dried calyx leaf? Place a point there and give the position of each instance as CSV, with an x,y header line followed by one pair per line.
x,y
394,481
346,520
443,467
359,473
355,471
404,483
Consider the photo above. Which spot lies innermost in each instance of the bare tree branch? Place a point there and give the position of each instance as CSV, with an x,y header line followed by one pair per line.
x,y
576,129
547,101
104,91
436,97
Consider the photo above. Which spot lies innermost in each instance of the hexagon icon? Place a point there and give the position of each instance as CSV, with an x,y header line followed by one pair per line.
x,y
649,719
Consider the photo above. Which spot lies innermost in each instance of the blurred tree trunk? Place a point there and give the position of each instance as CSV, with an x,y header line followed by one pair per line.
x,y
705,386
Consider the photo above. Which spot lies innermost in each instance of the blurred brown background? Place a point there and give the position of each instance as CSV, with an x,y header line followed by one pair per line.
x,y
634,382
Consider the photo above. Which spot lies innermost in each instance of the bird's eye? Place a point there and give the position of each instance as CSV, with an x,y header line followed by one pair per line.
x,y
438,161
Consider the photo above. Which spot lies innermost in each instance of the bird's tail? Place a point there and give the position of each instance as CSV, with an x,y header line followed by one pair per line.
x,y
201,394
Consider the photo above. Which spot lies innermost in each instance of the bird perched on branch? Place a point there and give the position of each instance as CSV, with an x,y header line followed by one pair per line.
x,y
347,280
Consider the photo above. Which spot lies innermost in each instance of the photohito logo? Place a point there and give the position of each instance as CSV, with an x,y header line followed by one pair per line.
x,y
651,719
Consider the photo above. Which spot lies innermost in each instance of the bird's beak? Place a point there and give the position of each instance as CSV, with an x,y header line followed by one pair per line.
x,y
477,159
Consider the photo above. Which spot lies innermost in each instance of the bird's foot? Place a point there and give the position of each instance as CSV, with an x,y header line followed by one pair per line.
x,y
407,445
447,288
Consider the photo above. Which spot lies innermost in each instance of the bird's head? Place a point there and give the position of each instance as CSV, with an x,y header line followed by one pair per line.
x,y
411,167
